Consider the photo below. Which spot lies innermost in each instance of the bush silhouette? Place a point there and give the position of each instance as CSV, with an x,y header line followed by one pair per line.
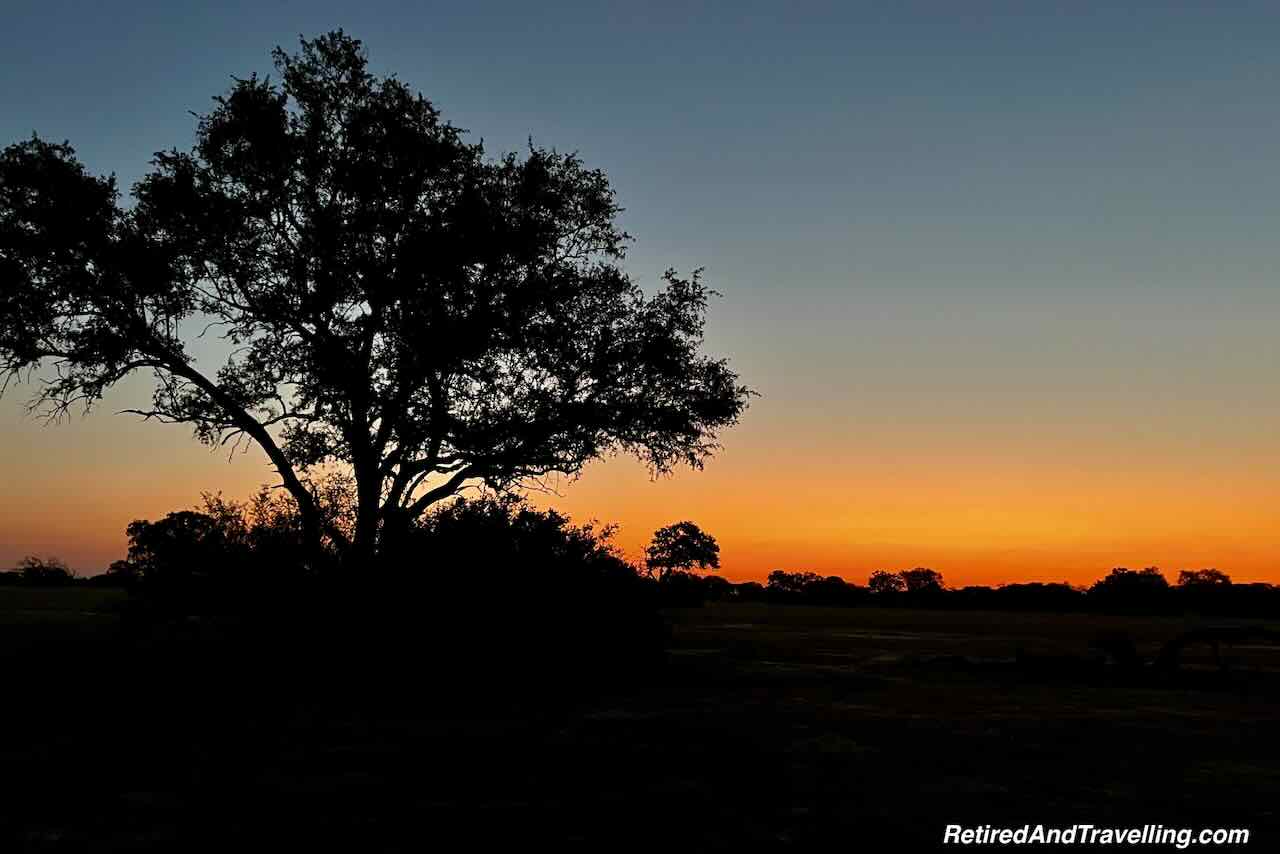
x,y
225,557
508,581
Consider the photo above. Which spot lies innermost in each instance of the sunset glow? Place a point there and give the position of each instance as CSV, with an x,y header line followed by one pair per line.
x,y
1006,284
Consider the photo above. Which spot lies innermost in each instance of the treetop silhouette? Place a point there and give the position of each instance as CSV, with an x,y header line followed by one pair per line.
x,y
681,546
396,303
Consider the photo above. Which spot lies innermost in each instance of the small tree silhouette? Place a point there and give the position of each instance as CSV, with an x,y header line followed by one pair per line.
x,y
1127,590
922,580
681,546
886,582
792,583
43,570
1203,578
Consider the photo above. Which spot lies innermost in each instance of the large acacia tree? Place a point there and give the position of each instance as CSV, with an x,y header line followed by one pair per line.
x,y
393,301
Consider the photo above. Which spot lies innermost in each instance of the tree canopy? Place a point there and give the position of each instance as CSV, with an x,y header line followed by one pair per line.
x,y
395,303
681,546
43,570
1203,578
882,581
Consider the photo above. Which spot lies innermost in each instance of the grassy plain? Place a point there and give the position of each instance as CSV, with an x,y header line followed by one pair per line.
x,y
784,727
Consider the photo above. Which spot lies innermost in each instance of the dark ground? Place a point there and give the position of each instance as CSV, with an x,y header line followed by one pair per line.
x,y
777,727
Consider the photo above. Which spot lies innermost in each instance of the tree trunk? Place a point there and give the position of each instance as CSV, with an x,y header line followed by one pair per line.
x,y
393,537
313,550
364,545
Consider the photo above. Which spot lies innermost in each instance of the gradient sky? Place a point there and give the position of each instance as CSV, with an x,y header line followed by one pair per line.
x,y
1005,274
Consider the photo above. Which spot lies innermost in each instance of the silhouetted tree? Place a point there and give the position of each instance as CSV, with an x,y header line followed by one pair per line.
x,y
790,584
269,523
121,572
224,552
44,570
681,546
715,588
1203,578
514,580
1211,591
1037,596
922,581
185,547
505,531
882,582
1126,590
834,590
394,302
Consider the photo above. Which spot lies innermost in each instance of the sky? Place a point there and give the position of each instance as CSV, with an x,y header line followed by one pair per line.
x,y
1004,274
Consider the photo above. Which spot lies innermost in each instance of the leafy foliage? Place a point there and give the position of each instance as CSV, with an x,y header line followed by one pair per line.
x,y
223,556
1131,590
922,580
681,546
396,304
886,582
43,571
1203,578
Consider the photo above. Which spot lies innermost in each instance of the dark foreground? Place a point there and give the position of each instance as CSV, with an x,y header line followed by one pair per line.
x,y
779,727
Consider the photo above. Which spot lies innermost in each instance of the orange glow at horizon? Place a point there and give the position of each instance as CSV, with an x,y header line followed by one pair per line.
x,y
976,527
1007,284
979,503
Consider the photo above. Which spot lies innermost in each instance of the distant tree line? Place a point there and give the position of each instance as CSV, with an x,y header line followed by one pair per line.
x,y
226,556
39,572
1122,591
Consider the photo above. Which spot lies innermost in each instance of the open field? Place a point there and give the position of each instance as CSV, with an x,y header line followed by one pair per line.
x,y
785,726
